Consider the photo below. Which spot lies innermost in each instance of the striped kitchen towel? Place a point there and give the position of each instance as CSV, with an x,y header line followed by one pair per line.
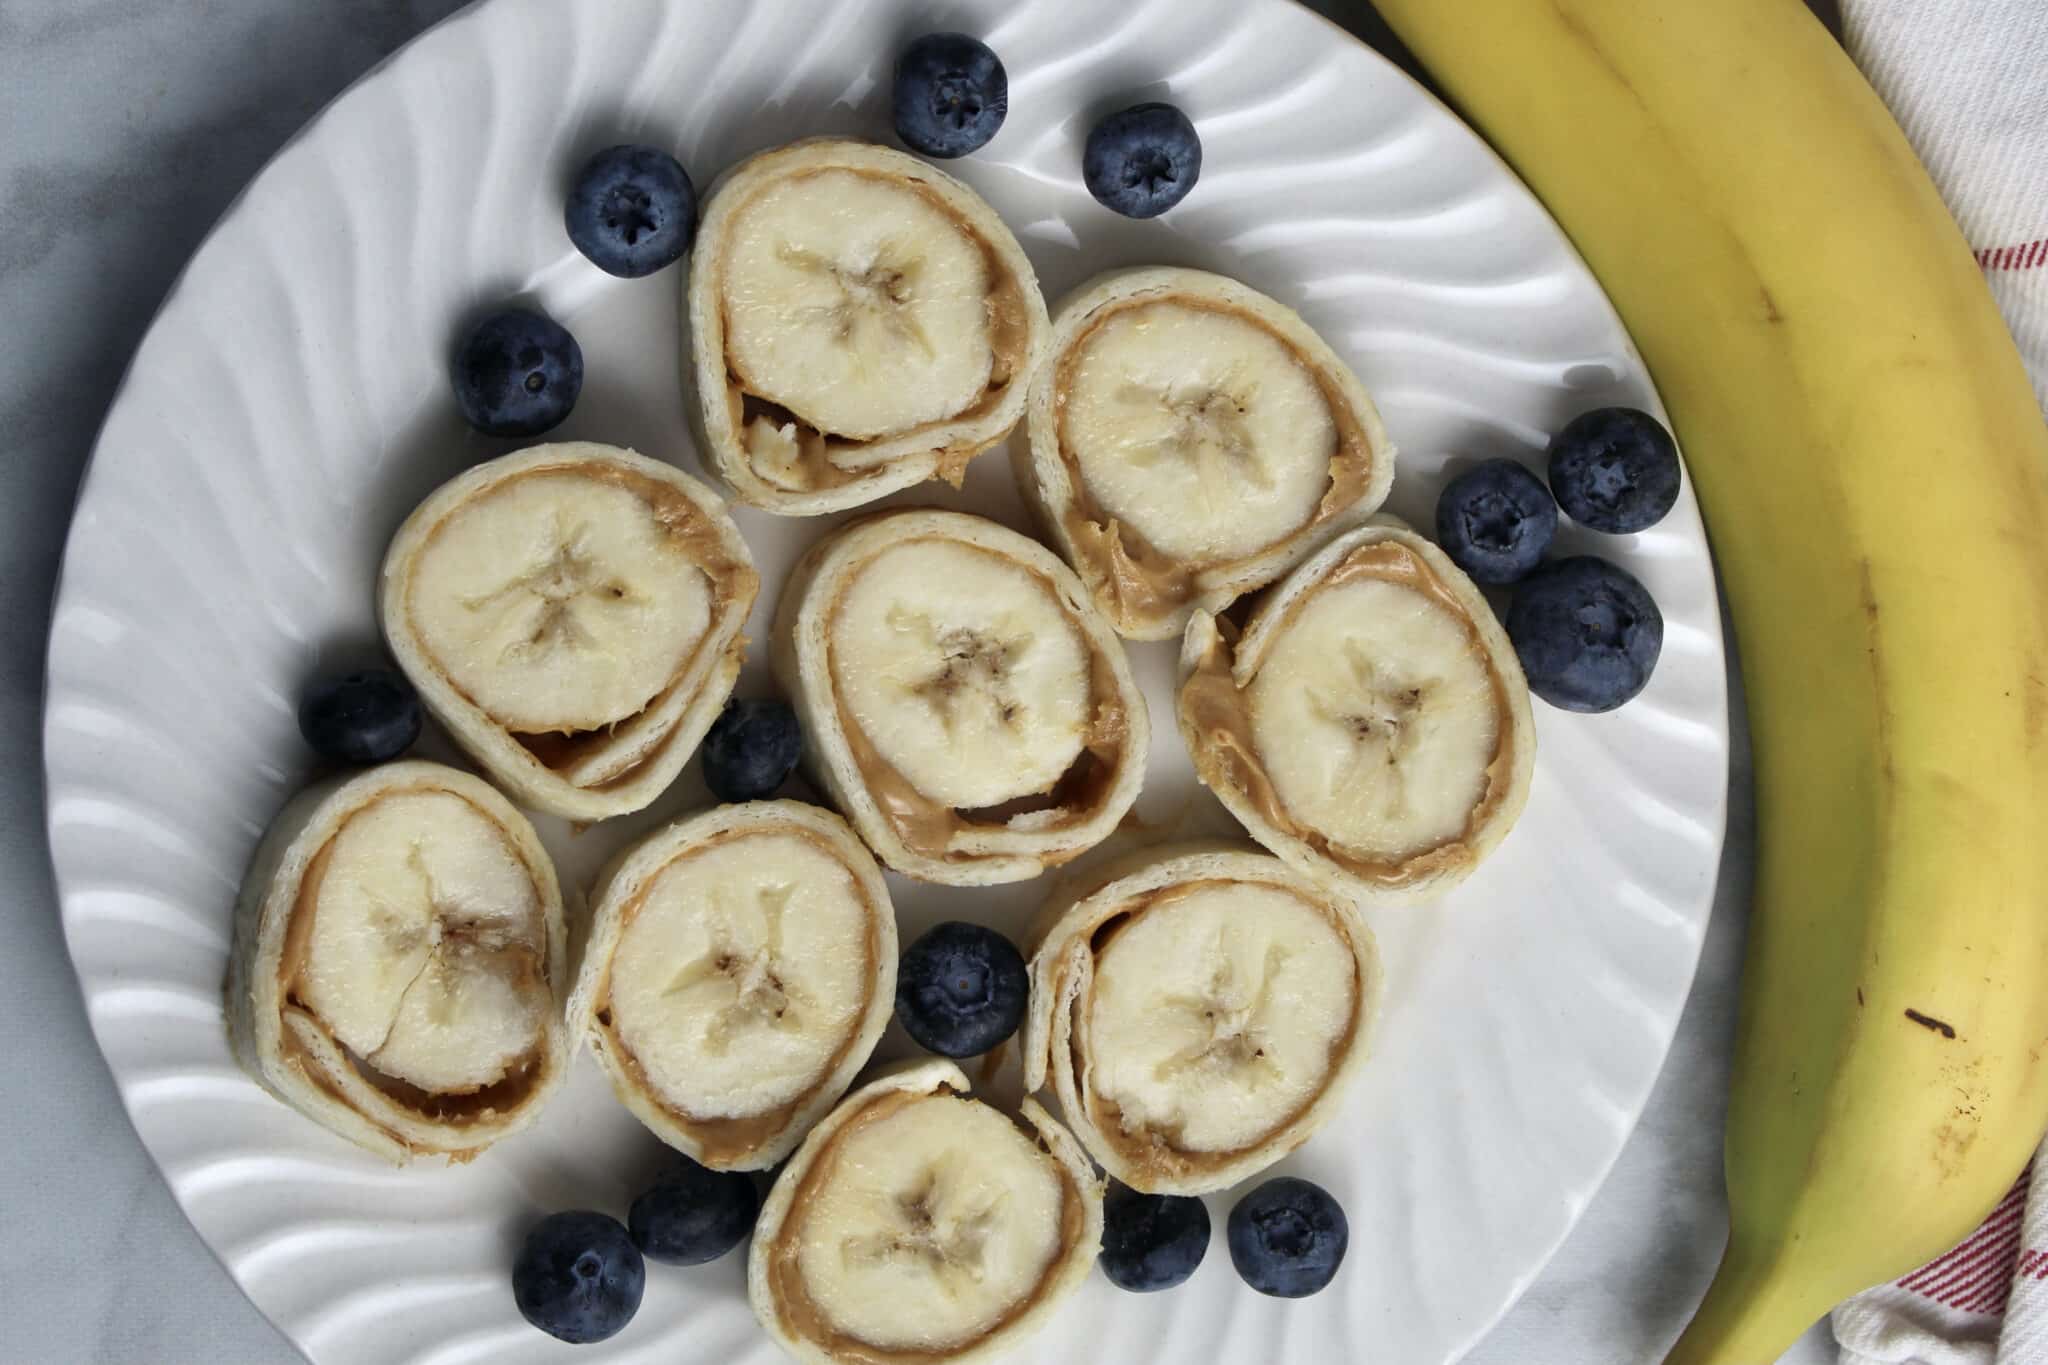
x,y
1968,81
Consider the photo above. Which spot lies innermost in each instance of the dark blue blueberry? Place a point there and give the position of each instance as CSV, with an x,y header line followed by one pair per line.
x,y
951,94
1614,470
1143,160
1152,1241
518,374
751,749
1287,1238
367,717
632,211
1587,633
1495,520
960,989
579,1276
691,1215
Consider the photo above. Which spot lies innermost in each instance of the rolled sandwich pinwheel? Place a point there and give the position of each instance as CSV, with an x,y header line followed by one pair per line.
x,y
1190,440
1371,726
966,706
399,963
1198,1010
858,321
740,966
571,614
918,1225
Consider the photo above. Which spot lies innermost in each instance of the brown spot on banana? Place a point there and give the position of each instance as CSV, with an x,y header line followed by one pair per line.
x,y
1928,1021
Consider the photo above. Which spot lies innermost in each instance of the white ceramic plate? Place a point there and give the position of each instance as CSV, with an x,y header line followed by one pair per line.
x,y
291,404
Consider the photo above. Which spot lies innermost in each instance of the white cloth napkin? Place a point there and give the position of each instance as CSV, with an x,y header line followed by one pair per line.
x,y
1968,81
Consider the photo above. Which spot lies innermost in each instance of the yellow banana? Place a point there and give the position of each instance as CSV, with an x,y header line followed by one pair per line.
x,y
1874,472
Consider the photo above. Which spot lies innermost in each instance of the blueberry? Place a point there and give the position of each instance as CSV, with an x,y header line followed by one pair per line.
x,y
1495,520
951,94
578,1277
518,374
1614,470
1587,633
632,211
1143,160
960,989
1152,1241
751,749
367,717
691,1215
1287,1238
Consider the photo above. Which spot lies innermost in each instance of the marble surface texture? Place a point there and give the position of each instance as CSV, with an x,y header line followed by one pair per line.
x,y
129,128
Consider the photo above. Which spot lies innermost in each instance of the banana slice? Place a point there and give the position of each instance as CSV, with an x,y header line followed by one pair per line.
x,y
399,963
1191,440
740,966
918,1225
572,615
968,709
1372,726
1198,1010
859,321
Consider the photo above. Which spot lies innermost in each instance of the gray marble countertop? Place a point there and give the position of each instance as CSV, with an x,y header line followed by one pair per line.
x,y
130,128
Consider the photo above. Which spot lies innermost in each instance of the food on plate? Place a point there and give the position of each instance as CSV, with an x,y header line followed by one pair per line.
x,y
399,963
632,210
1198,1010
571,615
578,1277
965,705
1495,520
1614,470
1152,1241
1190,440
1370,725
692,1214
1143,160
517,373
371,716
950,95
919,1224
858,321
960,989
1287,1238
1873,466
751,749
1587,633
739,968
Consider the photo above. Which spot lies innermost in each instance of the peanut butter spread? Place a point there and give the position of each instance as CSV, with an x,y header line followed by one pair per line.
x,y
729,1138
799,1313
812,459
1134,580
733,586
1214,712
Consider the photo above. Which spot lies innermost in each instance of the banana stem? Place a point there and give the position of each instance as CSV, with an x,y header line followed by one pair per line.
x,y
1750,1316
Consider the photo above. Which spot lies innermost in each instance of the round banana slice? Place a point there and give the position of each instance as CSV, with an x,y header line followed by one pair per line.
x,y
1191,440
739,968
967,708
1372,726
572,615
918,1225
399,963
1198,1011
859,321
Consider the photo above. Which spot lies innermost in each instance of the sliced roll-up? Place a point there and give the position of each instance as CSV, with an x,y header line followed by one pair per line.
x,y
858,321
965,704
399,963
571,614
740,966
1190,440
1198,1010
917,1225
1371,726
